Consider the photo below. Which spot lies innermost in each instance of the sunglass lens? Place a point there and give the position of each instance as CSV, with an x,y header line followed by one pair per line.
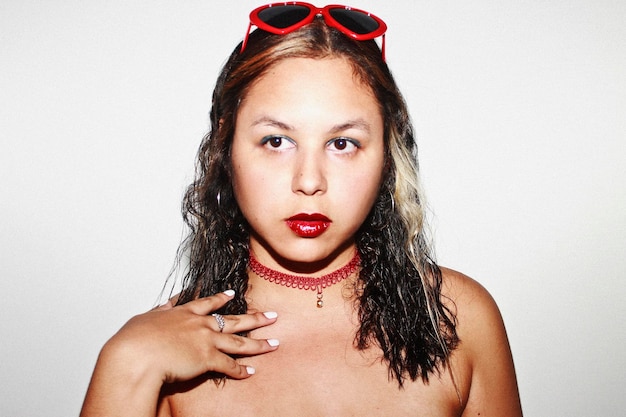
x,y
357,22
283,16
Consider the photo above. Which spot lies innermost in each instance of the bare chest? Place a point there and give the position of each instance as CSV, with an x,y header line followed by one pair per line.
x,y
318,374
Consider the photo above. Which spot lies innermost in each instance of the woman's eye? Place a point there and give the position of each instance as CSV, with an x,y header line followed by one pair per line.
x,y
277,142
343,144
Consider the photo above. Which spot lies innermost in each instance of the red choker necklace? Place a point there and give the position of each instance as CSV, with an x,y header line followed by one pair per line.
x,y
306,283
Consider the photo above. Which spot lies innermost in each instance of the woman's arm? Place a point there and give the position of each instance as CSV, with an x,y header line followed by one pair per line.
x,y
165,345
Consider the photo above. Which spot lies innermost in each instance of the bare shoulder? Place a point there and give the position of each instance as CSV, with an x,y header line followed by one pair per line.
x,y
479,322
484,346
468,299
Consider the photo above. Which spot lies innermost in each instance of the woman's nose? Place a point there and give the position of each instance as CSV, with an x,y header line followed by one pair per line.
x,y
309,177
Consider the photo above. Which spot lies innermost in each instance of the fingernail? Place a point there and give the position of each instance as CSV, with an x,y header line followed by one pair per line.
x,y
229,293
250,370
273,342
270,314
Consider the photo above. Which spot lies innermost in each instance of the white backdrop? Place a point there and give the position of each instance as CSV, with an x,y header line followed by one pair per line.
x,y
520,112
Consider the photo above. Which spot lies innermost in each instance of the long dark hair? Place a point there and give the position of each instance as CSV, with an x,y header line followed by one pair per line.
x,y
398,294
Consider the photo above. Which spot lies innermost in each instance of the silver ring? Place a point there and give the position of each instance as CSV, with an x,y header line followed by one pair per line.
x,y
220,321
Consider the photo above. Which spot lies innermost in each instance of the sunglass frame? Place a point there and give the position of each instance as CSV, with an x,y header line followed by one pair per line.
x,y
325,12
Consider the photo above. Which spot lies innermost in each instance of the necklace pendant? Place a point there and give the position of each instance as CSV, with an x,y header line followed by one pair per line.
x,y
320,302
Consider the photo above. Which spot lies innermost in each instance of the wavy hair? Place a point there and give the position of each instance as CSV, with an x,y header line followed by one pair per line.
x,y
398,294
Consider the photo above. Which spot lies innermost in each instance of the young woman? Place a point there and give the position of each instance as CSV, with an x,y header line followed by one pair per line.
x,y
311,287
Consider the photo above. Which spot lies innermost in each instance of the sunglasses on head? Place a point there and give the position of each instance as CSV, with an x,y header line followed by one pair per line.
x,y
283,18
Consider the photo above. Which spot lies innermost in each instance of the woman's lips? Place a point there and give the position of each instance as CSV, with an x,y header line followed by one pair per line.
x,y
308,225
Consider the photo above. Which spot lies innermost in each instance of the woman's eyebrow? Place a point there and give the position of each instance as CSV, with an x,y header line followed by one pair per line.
x,y
268,121
360,124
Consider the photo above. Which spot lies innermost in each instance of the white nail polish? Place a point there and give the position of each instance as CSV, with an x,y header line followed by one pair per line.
x,y
270,314
250,370
229,293
273,342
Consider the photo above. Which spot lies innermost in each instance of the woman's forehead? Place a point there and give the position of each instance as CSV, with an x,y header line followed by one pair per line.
x,y
295,83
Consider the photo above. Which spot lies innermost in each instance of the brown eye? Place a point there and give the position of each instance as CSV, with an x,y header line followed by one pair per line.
x,y
275,142
341,144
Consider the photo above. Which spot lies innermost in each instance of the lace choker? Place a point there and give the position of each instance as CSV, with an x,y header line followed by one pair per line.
x,y
306,283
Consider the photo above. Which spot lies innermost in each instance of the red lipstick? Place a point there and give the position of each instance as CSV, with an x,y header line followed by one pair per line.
x,y
308,225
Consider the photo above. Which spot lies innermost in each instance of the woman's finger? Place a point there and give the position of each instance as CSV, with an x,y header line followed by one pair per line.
x,y
231,368
239,346
243,346
241,323
206,305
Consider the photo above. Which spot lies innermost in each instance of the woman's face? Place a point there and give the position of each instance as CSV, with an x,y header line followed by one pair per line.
x,y
307,157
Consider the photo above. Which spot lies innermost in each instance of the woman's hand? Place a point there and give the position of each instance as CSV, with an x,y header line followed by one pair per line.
x,y
185,341
170,344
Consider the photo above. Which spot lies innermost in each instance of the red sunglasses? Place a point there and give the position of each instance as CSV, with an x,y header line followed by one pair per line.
x,y
283,18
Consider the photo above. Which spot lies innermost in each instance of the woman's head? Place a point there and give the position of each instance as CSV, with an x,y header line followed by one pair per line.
x,y
307,162
317,41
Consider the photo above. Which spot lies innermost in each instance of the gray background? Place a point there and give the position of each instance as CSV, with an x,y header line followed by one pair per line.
x,y
520,113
